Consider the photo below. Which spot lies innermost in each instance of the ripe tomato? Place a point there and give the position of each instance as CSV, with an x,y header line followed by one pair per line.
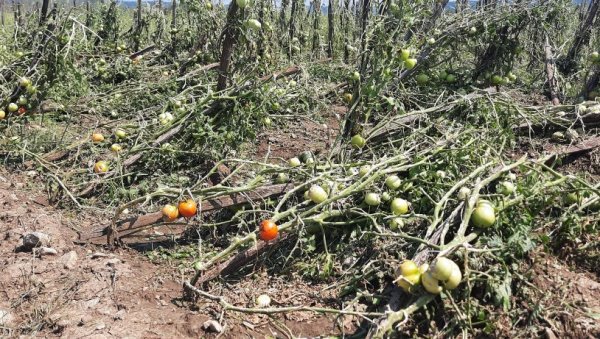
x,y
188,208
21,110
97,137
170,212
268,230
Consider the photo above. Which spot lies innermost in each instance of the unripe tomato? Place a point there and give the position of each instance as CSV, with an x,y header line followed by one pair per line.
x,y
440,174
347,97
573,198
294,162
464,193
242,3
441,268
355,76
31,89
24,82
268,230
317,194
408,267
422,79
170,212
12,107
22,101
372,199
506,188
451,78
2,114
254,24
101,167
187,208
399,206
431,41
404,54
364,170
120,134
454,279
385,196
430,283
266,121
282,178
410,63
393,182
97,137
263,301
116,148
358,141
497,80
483,216
396,224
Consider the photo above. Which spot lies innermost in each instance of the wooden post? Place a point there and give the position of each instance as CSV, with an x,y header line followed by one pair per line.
x,y
230,37
550,72
330,28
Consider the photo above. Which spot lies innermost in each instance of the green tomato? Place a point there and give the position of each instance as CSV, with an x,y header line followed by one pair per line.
x,y
506,188
385,196
372,199
393,182
12,107
281,178
404,54
254,24
464,193
497,80
399,206
364,170
317,194
442,268
422,79
294,162
355,76
358,141
483,216
24,82
410,63
396,223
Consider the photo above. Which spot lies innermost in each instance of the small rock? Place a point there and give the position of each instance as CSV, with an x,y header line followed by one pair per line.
x,y
69,260
5,318
31,173
46,251
212,326
119,315
113,261
99,255
293,136
35,239
100,326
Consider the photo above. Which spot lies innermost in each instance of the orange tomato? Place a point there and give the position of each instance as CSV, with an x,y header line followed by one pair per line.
x,y
97,137
268,230
188,208
170,212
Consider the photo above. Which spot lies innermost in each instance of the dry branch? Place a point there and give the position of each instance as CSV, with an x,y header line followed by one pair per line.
x,y
136,224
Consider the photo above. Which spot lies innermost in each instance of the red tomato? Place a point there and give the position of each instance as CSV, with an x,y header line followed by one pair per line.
x,y
188,208
268,230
